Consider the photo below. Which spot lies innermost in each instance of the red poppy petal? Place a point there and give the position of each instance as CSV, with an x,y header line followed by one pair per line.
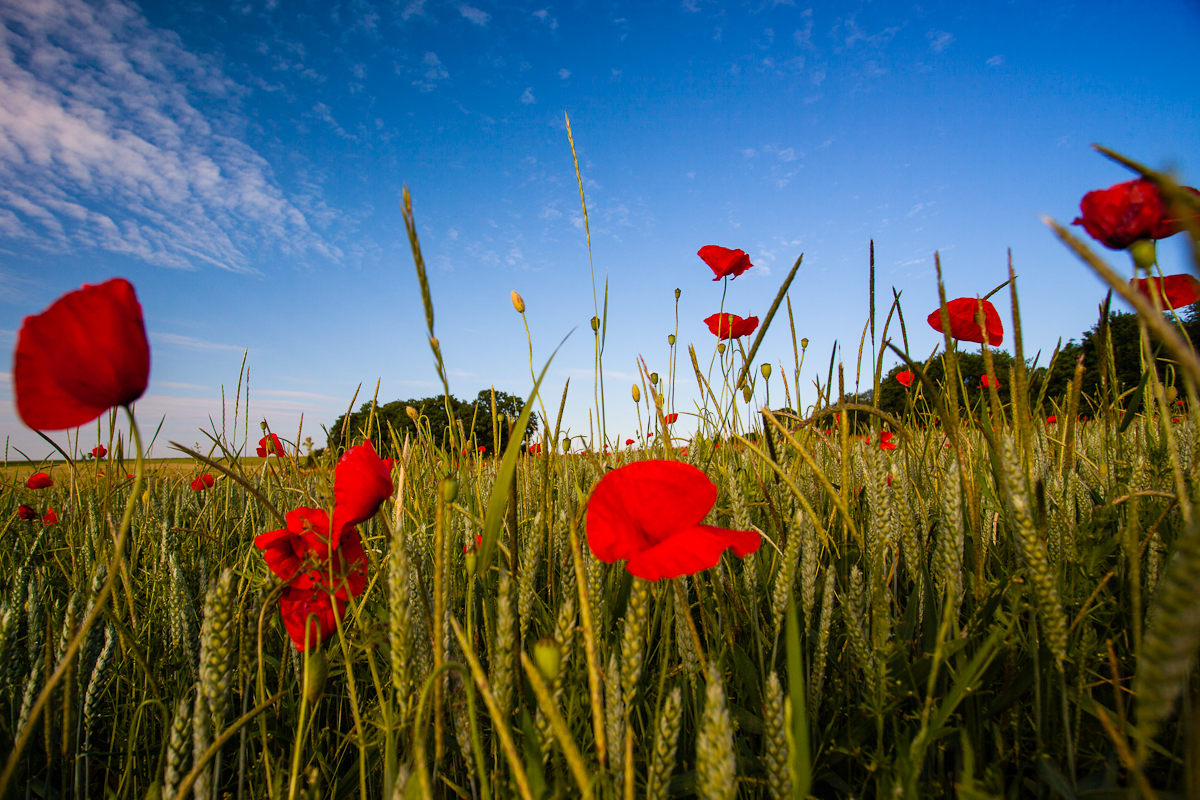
x,y
1174,291
690,551
641,504
723,261
303,608
84,354
361,483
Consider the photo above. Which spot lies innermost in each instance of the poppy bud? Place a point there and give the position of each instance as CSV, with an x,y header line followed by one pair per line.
x,y
747,392
471,561
1172,393
518,303
595,324
766,370
566,445
316,670
654,379
263,425
449,490
1143,252
412,413
660,398
804,343
671,339
547,654
676,294
637,394
721,348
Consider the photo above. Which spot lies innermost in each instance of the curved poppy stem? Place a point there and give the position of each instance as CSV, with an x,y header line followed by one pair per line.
x,y
64,663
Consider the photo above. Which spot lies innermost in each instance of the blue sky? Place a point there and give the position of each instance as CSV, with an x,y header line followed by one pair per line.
x,y
242,164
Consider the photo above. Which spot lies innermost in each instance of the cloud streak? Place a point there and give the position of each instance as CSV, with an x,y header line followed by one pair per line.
x,y
104,146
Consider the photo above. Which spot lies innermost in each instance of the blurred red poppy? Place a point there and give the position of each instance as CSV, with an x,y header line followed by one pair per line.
x,y
304,554
1175,420
1050,420
986,382
312,609
361,482
50,517
39,480
80,357
481,449
1122,214
468,548
99,452
962,321
731,326
202,482
885,440
535,448
725,263
269,446
670,418
628,442
26,513
1174,291
649,513
905,378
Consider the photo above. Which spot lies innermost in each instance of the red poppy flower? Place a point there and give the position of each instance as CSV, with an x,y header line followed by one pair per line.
x,y
50,518
670,418
304,554
628,442
202,482
26,513
1175,420
312,609
962,321
481,449
1173,291
467,548
885,440
986,382
269,446
1050,420
649,513
905,378
1120,215
389,464
80,357
361,482
723,261
39,480
534,449
99,452
731,326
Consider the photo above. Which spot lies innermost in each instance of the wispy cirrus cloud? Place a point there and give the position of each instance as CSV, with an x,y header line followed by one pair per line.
x,y
104,146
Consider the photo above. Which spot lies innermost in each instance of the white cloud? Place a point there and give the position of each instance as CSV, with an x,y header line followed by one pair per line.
x,y
527,96
103,145
474,14
434,72
564,73
939,40
803,36
544,15
193,343
749,152
787,154
996,61
414,8
818,77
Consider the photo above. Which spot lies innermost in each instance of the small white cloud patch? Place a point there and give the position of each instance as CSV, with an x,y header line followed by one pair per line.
x,y
939,40
478,16
564,73
527,97
996,61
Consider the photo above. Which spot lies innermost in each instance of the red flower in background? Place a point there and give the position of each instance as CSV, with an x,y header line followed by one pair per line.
x,y
468,548
534,449
99,452
905,378
962,321
649,513
731,326
885,440
1050,420
39,480
26,513
304,554
50,517
481,449
361,482
1122,214
202,482
986,382
269,446
628,442
725,263
670,418
312,609
80,357
1174,291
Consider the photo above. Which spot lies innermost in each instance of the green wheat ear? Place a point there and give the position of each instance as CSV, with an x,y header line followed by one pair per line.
x,y
1172,634
666,744
716,767
775,741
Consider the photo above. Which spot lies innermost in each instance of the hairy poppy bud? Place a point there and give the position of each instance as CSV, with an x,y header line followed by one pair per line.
x,y
263,425
654,379
471,561
595,324
671,339
747,392
566,445
637,394
1172,393
316,670
1144,253
547,654
721,348
518,303
676,294
412,413
449,490
804,343
766,370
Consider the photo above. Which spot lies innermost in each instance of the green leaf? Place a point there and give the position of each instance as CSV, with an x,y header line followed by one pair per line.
x,y
800,757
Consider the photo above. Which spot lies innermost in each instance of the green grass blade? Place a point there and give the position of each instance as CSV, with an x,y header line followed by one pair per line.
x,y
800,756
